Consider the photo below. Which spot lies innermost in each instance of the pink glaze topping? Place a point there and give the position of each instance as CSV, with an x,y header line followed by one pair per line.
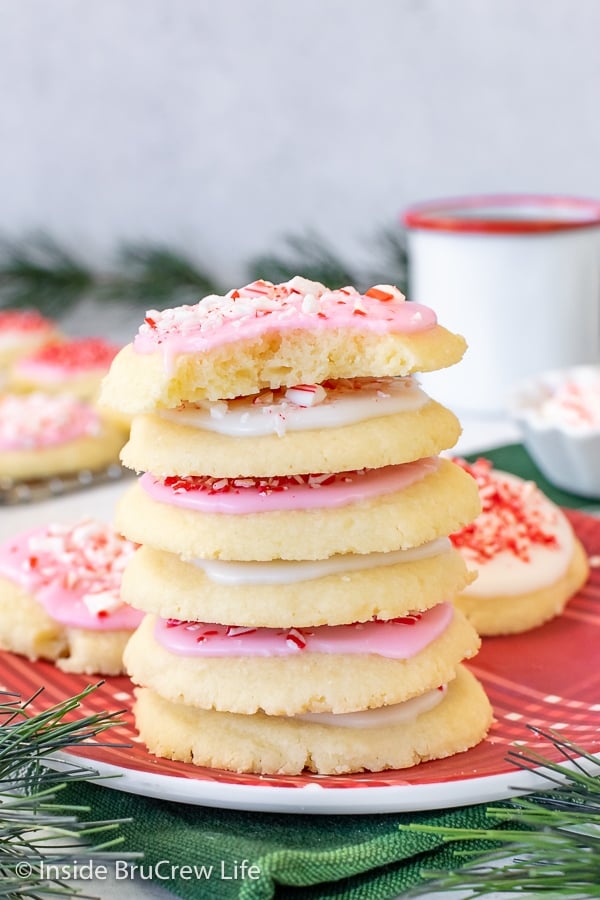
x,y
400,638
74,572
202,493
26,321
37,420
61,360
261,307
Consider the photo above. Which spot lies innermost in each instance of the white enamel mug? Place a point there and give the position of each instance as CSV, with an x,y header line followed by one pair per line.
x,y
519,277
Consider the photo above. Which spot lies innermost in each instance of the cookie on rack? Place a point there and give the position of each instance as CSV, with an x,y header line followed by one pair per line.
x,y
21,332
46,435
60,596
528,560
76,366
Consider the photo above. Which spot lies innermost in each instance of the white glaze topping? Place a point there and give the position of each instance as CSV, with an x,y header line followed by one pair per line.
x,y
234,574
520,542
303,407
382,716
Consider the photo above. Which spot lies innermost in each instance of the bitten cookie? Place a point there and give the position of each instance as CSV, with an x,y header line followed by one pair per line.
x,y
42,435
59,597
287,746
528,560
269,336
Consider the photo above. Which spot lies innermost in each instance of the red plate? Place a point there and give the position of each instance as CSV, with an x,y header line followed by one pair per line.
x,y
548,677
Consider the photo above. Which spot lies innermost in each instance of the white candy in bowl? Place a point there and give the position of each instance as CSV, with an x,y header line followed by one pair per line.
x,y
559,415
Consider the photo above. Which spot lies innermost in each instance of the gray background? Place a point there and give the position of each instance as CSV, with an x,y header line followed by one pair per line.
x,y
220,127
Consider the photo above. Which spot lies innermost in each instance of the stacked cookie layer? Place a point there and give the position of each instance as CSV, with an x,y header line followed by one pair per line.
x,y
296,571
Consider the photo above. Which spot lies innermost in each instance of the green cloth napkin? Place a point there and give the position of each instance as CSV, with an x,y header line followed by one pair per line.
x,y
296,857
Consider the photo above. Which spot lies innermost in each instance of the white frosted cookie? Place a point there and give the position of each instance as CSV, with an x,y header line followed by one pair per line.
x,y
528,560
21,332
393,509
74,366
380,432
42,435
276,745
59,597
348,588
296,678
268,336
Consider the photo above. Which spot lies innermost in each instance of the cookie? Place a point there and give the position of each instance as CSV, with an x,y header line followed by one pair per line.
x,y
59,597
269,336
21,332
329,669
42,435
355,423
276,594
302,518
74,366
264,744
528,560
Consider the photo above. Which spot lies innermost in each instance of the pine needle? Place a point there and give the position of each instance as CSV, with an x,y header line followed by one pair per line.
x,y
37,831
157,276
554,841
37,273
308,255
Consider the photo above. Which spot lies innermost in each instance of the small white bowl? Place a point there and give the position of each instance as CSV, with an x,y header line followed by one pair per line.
x,y
558,413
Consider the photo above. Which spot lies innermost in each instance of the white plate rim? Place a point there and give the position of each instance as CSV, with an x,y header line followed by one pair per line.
x,y
313,799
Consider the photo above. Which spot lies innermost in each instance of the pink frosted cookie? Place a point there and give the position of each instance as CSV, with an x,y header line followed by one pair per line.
x,y
42,435
291,671
76,367
528,561
21,332
300,517
268,336
60,596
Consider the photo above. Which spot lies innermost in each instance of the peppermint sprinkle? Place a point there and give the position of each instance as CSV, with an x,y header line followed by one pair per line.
x,y
35,420
274,484
514,517
261,299
306,394
575,404
87,558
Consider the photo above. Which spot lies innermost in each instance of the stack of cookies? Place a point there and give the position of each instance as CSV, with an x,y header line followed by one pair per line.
x,y
295,570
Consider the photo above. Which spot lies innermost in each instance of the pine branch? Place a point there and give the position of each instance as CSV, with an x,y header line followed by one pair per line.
x,y
308,255
311,256
36,830
38,273
558,853
392,266
158,276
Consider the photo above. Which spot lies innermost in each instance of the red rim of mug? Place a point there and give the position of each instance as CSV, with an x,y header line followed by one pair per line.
x,y
448,214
